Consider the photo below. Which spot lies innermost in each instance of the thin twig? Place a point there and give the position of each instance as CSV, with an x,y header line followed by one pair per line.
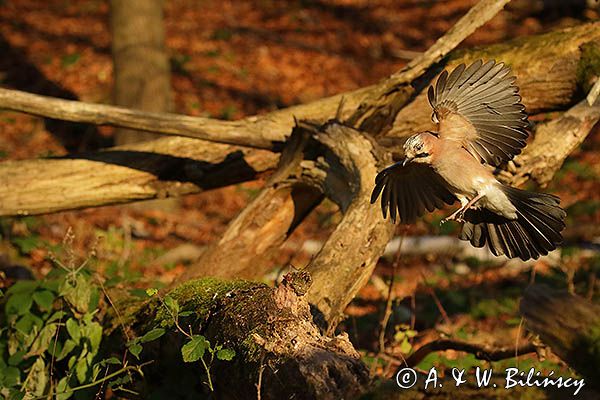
x,y
390,299
94,383
435,299
260,375
119,316
517,339
481,352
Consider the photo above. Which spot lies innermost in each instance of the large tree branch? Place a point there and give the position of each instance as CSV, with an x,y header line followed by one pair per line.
x,y
350,254
555,55
244,249
552,144
264,132
162,168
377,112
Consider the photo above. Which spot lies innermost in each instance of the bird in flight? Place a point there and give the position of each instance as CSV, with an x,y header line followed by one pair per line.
x,y
481,124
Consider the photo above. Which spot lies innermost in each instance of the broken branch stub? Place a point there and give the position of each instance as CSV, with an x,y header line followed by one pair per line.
x,y
243,251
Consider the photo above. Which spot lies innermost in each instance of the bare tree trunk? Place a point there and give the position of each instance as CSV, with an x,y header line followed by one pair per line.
x,y
141,64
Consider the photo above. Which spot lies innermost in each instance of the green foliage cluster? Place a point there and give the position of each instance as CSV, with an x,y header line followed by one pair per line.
x,y
51,338
197,347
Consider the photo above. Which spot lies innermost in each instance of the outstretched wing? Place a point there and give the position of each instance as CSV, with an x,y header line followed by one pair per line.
x,y
480,107
407,191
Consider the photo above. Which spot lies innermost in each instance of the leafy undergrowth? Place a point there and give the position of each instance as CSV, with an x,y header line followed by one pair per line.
x,y
53,340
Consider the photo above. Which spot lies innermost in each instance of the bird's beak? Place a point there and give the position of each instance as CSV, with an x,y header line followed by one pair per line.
x,y
406,161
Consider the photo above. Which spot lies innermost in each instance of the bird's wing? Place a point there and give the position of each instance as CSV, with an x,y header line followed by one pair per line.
x,y
480,107
407,191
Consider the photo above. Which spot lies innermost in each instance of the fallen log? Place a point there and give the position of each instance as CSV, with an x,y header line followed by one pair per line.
x,y
556,56
279,351
568,324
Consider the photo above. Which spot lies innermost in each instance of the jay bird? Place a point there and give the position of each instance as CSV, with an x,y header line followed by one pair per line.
x,y
481,124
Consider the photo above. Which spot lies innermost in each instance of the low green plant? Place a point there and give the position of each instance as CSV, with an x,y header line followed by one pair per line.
x,y
197,347
51,335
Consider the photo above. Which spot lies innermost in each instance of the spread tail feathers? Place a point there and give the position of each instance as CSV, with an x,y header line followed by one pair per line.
x,y
535,232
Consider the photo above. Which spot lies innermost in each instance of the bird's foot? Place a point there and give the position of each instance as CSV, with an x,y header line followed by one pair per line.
x,y
457,216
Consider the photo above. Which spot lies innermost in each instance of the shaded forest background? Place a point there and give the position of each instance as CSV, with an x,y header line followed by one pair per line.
x,y
231,59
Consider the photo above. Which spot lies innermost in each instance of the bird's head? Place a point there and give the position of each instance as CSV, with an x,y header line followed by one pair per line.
x,y
418,148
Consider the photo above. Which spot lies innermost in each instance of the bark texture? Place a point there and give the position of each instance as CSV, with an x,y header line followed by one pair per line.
x,y
271,331
141,64
167,167
568,324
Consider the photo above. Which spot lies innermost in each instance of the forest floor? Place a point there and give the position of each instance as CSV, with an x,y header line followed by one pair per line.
x,y
232,59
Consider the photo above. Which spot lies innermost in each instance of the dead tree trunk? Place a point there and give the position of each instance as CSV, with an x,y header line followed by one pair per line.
x,y
568,324
279,350
141,65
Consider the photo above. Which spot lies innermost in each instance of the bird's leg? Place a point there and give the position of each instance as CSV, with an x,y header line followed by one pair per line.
x,y
460,213
451,217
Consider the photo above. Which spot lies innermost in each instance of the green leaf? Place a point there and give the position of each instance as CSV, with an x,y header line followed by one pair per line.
x,y
18,303
81,369
15,394
78,293
151,292
74,329
225,354
172,305
42,342
10,376
28,322
16,358
123,380
22,287
66,349
405,347
152,335
51,284
72,360
62,387
194,349
110,360
186,313
56,316
27,244
44,299
93,332
38,378
135,349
